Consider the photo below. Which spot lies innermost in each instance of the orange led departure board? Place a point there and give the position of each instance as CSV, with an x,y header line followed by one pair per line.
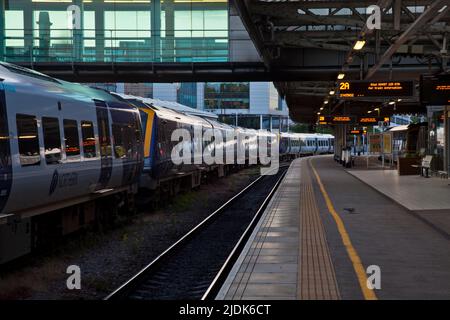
x,y
372,120
357,132
435,91
341,119
374,89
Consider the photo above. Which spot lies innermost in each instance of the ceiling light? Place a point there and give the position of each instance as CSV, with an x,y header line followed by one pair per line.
x,y
321,109
359,44
399,100
341,76
369,112
318,113
392,103
376,109
326,101
332,92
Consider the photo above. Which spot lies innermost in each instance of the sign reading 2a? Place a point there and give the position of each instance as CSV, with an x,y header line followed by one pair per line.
x,y
344,86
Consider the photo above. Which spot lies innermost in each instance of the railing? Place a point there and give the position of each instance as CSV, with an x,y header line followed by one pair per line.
x,y
63,45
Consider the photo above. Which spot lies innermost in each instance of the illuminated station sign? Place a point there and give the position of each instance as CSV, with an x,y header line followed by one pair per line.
x,y
435,92
336,119
372,120
371,89
357,132
363,121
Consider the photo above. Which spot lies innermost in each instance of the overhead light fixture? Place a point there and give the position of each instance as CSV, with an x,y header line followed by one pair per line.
x,y
332,92
369,112
321,109
376,109
326,102
341,76
318,113
392,103
359,44
399,100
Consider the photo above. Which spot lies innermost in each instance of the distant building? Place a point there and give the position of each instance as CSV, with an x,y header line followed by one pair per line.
x,y
254,105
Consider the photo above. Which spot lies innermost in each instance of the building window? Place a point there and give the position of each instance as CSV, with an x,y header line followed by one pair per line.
x,y
72,140
144,90
187,94
28,140
87,131
250,122
230,95
52,140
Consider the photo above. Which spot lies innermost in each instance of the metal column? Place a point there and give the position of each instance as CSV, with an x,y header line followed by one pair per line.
x,y
78,39
2,30
169,42
156,30
100,31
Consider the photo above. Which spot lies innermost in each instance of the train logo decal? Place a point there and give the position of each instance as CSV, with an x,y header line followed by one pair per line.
x,y
65,180
54,182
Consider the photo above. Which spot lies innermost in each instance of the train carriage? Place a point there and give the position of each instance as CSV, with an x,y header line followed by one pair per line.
x,y
79,154
61,145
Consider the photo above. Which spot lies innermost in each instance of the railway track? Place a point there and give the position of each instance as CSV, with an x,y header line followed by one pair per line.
x,y
196,266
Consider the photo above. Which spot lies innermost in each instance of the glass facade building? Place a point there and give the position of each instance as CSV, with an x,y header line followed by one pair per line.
x,y
227,95
114,30
187,94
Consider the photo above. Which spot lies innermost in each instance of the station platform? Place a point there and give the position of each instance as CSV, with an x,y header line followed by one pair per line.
x,y
327,230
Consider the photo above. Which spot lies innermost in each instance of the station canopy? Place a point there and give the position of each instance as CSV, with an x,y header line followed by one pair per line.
x,y
330,45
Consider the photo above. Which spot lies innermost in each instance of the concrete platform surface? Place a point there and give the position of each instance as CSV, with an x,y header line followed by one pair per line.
x,y
412,192
309,245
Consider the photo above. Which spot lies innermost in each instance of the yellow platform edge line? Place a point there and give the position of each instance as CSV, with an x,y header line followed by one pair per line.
x,y
351,251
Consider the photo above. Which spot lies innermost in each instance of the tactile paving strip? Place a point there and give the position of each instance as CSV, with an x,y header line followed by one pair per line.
x,y
287,256
317,279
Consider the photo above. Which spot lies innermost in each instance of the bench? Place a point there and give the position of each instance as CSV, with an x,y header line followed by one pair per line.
x,y
443,174
425,166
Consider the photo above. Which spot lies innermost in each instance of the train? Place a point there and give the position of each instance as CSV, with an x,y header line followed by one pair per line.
x,y
73,155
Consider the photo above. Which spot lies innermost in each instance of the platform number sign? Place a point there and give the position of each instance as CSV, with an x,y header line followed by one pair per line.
x,y
344,86
375,89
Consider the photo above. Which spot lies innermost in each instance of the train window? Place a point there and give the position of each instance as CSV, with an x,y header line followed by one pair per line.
x,y
72,139
124,138
87,131
27,133
5,153
52,140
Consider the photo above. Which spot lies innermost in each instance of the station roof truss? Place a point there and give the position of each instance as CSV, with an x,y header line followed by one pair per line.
x,y
317,38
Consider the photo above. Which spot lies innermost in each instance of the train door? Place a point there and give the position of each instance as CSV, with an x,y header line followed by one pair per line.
x,y
104,136
126,132
5,153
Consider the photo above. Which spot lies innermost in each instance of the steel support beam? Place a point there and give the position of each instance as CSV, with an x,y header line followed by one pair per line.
x,y
2,30
426,16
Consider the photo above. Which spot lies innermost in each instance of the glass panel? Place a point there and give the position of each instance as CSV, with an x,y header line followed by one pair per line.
x,y
117,31
437,140
187,94
52,140
89,143
28,140
14,28
230,95
72,139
